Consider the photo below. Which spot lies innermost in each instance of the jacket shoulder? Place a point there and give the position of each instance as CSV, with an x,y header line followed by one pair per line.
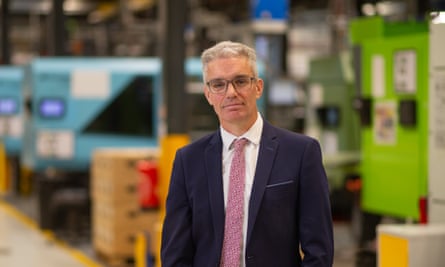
x,y
286,135
200,143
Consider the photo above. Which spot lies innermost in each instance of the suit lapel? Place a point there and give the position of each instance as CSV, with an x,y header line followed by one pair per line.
x,y
213,165
266,156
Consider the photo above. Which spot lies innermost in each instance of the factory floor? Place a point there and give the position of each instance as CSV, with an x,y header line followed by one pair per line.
x,y
22,243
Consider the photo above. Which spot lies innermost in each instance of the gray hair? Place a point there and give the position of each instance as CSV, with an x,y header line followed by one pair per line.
x,y
228,49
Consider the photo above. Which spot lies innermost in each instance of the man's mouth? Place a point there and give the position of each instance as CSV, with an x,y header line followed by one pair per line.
x,y
233,105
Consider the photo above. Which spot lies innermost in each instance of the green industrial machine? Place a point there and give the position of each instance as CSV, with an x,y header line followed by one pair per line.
x,y
393,86
331,118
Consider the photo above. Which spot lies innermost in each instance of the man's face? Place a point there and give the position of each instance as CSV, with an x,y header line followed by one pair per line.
x,y
234,107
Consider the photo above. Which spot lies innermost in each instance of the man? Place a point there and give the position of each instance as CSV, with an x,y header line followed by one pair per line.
x,y
287,217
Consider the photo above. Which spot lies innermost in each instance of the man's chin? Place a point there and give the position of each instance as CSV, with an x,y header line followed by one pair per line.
x,y
234,116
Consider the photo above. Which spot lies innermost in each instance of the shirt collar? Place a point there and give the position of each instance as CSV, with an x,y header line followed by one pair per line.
x,y
253,134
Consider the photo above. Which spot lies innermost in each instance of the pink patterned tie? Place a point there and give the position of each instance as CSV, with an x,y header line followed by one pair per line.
x,y
233,230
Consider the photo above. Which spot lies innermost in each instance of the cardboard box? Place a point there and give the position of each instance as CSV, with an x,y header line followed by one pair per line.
x,y
117,218
114,173
117,237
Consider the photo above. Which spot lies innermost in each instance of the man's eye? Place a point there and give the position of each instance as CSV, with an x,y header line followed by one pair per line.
x,y
218,84
241,81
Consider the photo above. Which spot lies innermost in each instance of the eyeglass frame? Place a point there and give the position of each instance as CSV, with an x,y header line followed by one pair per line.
x,y
251,79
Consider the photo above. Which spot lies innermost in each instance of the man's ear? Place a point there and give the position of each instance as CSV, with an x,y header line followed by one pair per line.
x,y
207,95
259,86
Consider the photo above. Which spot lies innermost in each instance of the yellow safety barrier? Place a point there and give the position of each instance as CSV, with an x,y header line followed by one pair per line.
x,y
393,251
169,145
3,170
140,250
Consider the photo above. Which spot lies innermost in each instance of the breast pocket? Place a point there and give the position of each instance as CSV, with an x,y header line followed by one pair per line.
x,y
280,190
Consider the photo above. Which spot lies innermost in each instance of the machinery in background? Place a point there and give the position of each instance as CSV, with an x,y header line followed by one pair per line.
x,y
11,124
79,104
422,244
394,116
331,118
283,95
76,105
200,116
401,99
285,104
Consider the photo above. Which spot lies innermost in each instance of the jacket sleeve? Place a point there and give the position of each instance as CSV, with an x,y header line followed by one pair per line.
x,y
177,248
316,230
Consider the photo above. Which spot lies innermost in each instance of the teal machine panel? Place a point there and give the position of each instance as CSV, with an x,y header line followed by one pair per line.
x,y
79,104
11,110
394,115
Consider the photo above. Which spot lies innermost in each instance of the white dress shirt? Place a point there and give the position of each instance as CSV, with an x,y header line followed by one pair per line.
x,y
251,154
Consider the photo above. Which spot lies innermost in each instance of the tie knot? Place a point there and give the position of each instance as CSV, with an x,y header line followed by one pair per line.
x,y
239,144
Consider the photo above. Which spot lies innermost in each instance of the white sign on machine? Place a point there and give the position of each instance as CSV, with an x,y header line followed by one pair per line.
x,y
55,144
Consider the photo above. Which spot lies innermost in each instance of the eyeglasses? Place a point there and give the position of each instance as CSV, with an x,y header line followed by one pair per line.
x,y
219,86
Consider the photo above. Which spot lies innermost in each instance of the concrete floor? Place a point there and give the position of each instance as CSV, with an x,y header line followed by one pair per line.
x,y
345,245
22,244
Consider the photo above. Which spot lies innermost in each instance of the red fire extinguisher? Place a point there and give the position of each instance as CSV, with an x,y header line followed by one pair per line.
x,y
148,181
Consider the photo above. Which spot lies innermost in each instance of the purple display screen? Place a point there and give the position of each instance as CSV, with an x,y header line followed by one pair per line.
x,y
8,106
51,108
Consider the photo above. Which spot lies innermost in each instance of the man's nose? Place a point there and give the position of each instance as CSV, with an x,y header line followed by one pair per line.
x,y
231,88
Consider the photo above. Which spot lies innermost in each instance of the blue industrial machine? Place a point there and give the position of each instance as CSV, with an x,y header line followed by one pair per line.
x,y
11,125
79,104
11,111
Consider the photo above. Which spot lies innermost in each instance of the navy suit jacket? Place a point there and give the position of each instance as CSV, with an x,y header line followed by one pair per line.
x,y
289,205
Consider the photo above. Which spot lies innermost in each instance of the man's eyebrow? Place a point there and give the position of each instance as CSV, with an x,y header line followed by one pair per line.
x,y
234,77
